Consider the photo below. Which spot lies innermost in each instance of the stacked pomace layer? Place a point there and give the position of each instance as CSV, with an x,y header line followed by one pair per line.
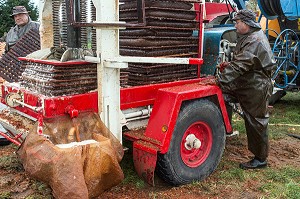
x,y
167,33
10,67
58,79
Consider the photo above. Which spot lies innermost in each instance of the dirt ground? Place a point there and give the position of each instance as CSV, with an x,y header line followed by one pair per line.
x,y
283,152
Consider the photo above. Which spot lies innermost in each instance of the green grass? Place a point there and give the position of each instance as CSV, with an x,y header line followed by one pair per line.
x,y
266,183
42,190
233,174
284,117
283,175
238,124
5,195
281,183
11,162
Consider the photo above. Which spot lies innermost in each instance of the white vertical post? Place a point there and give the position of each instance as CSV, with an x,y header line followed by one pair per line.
x,y
108,77
46,23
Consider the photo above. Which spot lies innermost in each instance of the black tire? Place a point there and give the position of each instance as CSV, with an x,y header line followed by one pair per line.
x,y
4,142
174,167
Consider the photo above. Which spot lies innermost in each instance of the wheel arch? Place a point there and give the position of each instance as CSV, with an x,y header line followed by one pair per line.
x,y
167,107
212,98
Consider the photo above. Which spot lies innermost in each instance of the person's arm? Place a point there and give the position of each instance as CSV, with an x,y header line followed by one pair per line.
x,y
243,61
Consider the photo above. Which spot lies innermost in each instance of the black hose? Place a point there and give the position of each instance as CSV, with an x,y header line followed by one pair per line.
x,y
293,135
266,7
276,7
272,8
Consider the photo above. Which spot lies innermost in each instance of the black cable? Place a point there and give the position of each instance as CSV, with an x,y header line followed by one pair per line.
x,y
293,135
266,6
233,9
276,6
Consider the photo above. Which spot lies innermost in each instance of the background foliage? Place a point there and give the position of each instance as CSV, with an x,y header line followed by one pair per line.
x,y
6,22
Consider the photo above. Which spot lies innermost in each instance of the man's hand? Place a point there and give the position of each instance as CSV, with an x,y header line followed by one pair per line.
x,y
208,81
223,65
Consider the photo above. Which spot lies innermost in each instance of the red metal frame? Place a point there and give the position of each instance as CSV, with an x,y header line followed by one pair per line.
x,y
214,10
54,106
145,95
144,158
14,139
130,98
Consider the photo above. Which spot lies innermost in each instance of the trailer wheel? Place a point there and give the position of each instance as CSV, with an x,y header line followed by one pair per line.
x,y
196,146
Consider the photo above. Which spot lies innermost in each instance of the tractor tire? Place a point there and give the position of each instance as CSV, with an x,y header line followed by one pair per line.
x,y
182,165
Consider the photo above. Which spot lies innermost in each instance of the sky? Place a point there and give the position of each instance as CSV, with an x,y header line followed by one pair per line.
x,y
36,2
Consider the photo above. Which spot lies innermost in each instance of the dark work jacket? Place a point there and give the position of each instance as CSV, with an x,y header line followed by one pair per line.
x,y
249,73
17,32
252,60
248,79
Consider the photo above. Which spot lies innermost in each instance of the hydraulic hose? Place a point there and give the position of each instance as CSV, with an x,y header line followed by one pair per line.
x,y
270,9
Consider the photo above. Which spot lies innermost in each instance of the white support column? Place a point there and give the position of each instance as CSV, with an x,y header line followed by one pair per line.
x,y
46,23
108,77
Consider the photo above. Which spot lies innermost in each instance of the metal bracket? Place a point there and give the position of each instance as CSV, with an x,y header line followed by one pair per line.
x,y
91,59
109,64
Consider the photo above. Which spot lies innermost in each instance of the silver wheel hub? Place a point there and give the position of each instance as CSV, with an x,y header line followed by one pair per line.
x,y
192,142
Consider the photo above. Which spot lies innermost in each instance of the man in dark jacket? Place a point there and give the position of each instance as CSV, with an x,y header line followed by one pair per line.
x,y
23,25
248,79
